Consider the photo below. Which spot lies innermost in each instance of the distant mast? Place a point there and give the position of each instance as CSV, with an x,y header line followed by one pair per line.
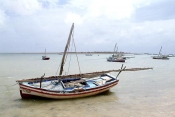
x,y
160,50
114,48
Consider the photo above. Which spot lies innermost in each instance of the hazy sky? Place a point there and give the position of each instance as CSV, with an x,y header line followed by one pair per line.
x,y
135,25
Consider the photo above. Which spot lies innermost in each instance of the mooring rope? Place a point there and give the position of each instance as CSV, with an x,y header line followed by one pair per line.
x,y
11,85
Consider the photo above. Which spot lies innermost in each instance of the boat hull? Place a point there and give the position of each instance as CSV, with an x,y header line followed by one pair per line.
x,y
27,92
161,58
116,60
45,58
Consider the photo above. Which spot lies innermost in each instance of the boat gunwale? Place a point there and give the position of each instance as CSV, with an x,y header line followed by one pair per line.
x,y
75,94
40,89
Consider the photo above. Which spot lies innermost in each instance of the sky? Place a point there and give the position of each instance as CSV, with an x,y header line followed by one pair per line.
x,y
137,26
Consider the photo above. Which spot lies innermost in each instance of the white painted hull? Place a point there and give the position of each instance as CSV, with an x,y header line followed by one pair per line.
x,y
27,92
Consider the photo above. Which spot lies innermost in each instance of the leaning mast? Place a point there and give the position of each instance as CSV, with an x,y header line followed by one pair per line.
x,y
65,50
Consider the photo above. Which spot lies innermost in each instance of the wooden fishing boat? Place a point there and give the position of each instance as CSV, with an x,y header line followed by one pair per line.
x,y
70,86
45,57
116,57
163,57
65,88
160,56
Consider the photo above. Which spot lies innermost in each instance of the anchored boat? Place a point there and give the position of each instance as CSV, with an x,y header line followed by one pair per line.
x,y
160,56
116,57
45,57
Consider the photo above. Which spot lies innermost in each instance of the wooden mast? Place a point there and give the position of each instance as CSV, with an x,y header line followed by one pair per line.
x,y
65,50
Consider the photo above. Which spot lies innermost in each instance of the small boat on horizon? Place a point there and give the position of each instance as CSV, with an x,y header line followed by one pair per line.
x,y
45,57
116,57
160,56
88,54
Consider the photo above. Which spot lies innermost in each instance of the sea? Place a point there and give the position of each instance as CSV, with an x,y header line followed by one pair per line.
x,y
147,93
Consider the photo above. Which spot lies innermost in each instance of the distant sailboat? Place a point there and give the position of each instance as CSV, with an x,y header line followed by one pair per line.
x,y
45,57
88,54
160,56
116,57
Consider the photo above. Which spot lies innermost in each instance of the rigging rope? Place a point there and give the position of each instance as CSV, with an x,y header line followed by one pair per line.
x,y
60,62
76,51
73,44
69,60
57,69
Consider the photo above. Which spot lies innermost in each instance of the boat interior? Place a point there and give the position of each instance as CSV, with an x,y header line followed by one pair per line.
x,y
71,84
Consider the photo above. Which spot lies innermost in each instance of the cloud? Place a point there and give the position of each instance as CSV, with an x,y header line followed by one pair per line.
x,y
2,17
21,7
136,25
51,3
111,9
72,17
156,10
